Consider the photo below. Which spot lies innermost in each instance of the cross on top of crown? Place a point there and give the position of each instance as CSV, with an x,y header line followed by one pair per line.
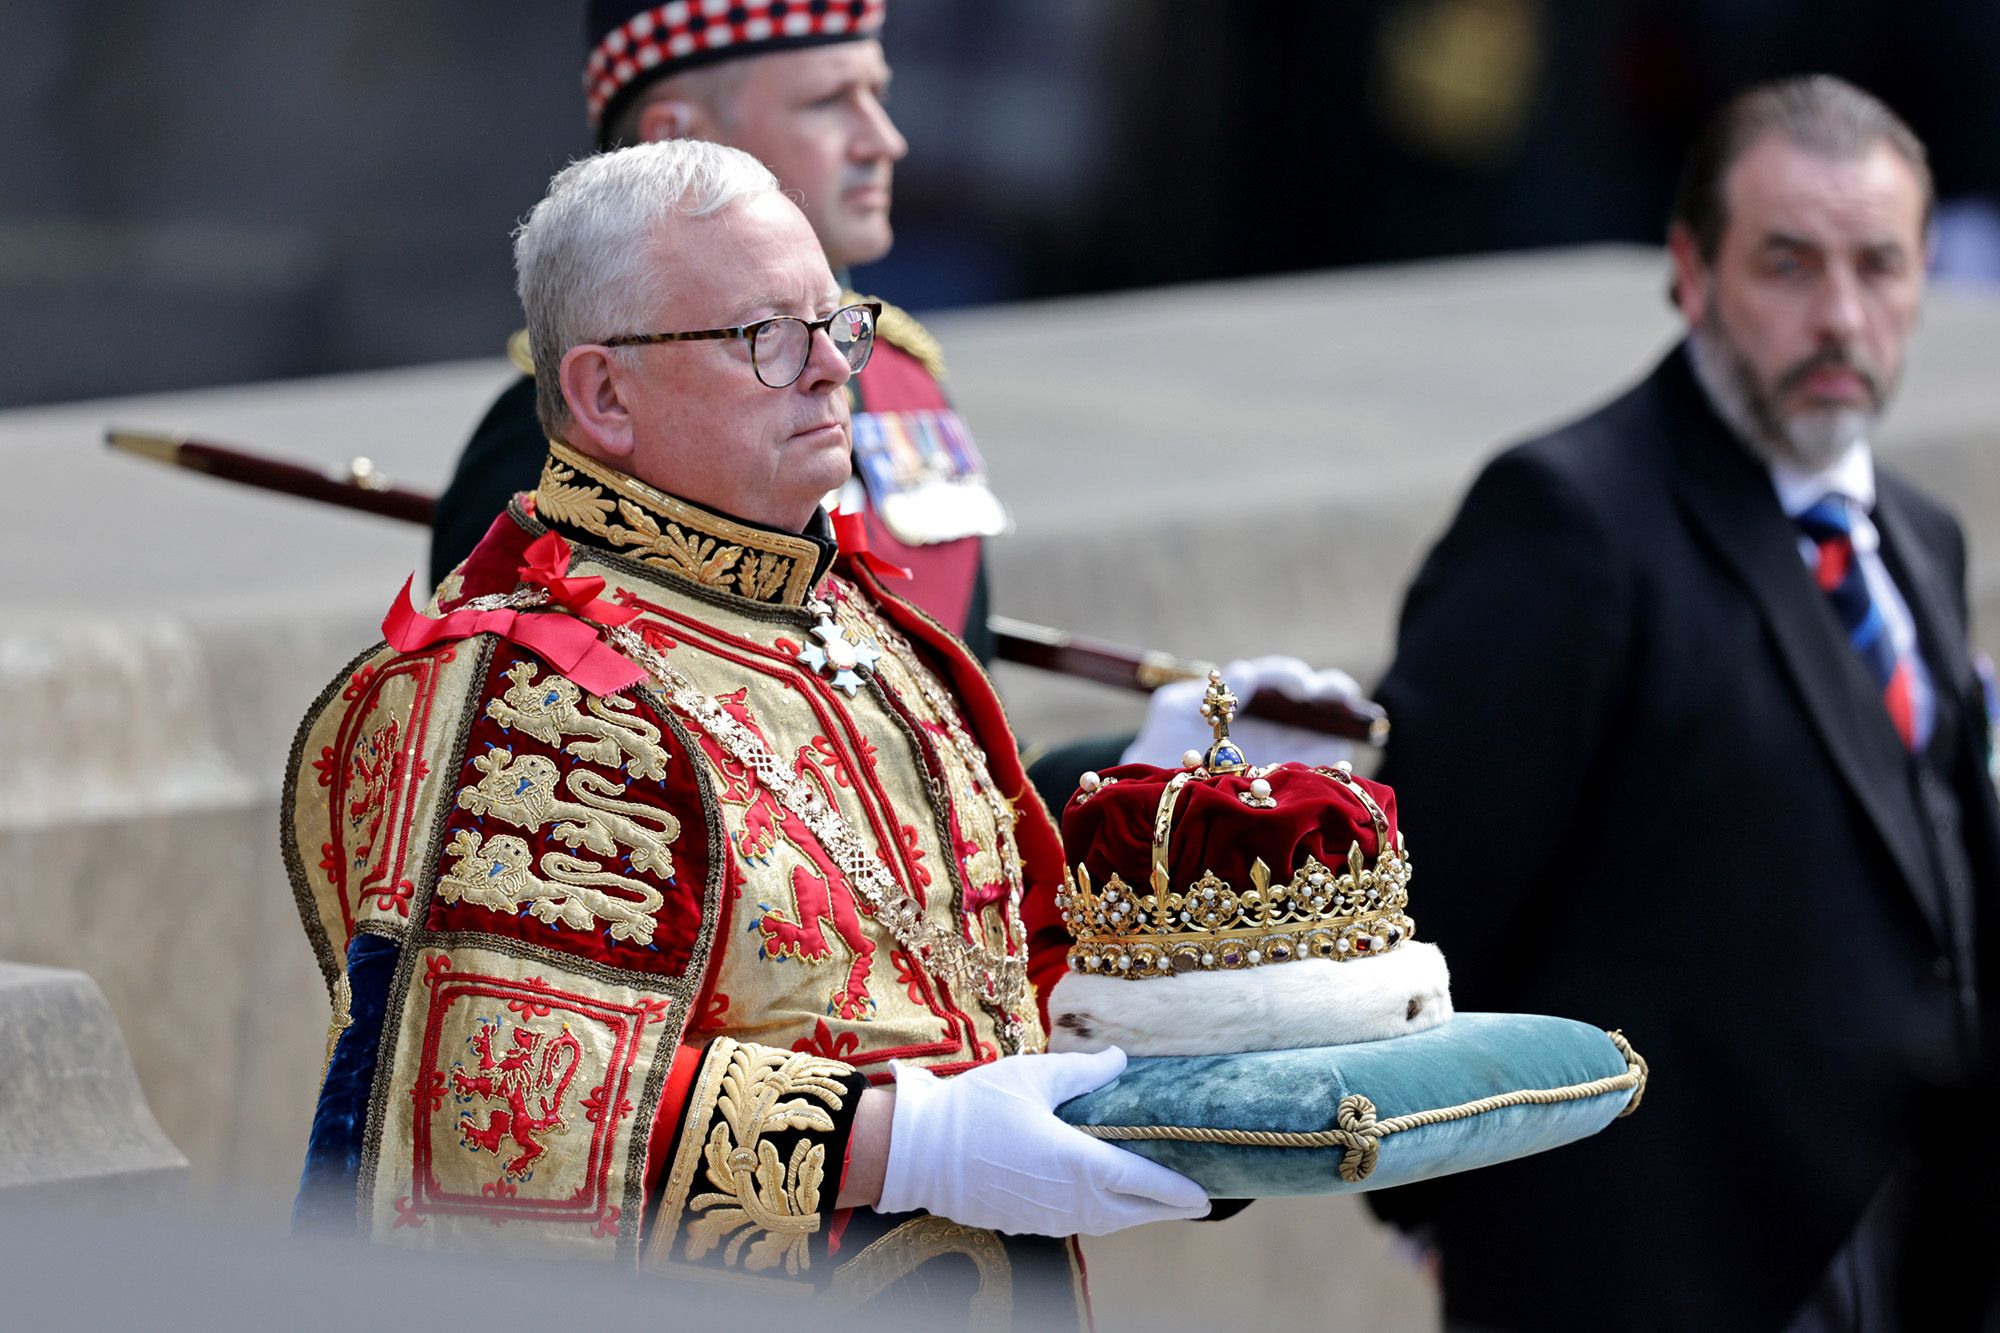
x,y
1218,705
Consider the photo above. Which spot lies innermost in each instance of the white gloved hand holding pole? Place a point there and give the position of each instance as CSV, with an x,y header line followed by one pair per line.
x,y
1174,723
986,1148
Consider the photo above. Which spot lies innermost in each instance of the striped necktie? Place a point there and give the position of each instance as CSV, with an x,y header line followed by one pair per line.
x,y
1829,524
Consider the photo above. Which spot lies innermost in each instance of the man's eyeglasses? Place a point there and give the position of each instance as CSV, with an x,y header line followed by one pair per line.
x,y
781,346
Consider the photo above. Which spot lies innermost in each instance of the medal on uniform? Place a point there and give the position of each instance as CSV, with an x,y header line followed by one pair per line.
x,y
846,665
924,475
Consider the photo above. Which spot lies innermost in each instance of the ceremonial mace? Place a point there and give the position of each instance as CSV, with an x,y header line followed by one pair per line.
x,y
361,487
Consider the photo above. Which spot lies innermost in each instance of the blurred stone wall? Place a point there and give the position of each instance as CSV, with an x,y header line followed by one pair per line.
x,y
230,191
224,191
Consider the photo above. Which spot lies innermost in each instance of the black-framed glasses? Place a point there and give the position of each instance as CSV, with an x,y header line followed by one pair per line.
x,y
781,346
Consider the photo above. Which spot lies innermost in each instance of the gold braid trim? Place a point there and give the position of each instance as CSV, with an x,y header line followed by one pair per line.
x,y
671,534
899,328
764,1208
1634,1063
912,1244
339,1021
1361,1134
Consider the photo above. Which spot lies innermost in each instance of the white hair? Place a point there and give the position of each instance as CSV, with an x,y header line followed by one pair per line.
x,y
584,260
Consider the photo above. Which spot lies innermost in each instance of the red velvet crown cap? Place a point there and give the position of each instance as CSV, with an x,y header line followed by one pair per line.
x,y
1110,831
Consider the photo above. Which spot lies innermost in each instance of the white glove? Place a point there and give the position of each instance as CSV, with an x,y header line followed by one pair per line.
x,y
1174,724
985,1148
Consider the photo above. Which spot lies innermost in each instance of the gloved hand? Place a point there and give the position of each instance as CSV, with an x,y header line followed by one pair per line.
x,y
1174,724
985,1148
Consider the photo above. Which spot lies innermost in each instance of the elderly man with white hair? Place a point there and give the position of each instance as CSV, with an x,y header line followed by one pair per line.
x,y
803,87
679,888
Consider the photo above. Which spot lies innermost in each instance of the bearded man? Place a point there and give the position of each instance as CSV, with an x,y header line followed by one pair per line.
x,y
679,888
1715,660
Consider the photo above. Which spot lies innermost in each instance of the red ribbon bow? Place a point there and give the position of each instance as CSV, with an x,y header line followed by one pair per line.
x,y
850,531
548,567
569,643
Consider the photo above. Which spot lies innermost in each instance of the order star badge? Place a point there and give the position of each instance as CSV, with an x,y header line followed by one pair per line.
x,y
847,665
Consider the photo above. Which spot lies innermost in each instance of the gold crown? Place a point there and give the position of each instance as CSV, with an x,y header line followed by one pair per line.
x,y
1318,913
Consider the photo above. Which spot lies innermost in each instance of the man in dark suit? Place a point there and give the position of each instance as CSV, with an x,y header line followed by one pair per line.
x,y
1689,739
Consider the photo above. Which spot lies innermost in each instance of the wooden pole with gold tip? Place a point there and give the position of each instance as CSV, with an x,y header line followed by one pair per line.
x,y
363,487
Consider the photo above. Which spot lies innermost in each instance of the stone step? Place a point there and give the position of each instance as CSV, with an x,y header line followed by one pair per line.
x,y
74,1125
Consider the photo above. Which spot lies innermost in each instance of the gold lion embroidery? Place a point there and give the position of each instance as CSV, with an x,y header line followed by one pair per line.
x,y
499,873
548,710
523,793
767,1209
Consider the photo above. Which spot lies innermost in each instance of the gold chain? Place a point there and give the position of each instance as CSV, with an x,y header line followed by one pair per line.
x,y
972,755
1001,983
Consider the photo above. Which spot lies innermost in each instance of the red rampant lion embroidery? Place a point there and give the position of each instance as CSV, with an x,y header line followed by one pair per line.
x,y
378,768
513,1078
821,891
985,876
373,770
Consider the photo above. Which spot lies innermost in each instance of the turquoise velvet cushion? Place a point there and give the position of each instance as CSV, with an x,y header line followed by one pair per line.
x,y
1466,1059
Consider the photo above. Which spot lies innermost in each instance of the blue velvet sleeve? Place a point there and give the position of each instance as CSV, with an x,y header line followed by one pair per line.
x,y
326,1200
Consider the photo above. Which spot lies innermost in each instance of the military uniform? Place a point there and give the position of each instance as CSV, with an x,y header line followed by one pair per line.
x,y
626,891
927,502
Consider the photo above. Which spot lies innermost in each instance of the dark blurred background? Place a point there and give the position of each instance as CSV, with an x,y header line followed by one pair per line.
x,y
213,191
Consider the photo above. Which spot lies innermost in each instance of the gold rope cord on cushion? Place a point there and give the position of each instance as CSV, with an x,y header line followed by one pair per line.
x,y
1361,1134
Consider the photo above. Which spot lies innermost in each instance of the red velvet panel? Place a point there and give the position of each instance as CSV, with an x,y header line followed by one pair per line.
x,y
677,921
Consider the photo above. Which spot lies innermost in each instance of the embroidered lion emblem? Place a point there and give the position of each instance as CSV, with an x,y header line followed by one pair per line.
x,y
522,792
531,1071
552,708
499,873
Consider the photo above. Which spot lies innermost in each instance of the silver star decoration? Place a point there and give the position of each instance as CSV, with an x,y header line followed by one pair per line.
x,y
847,665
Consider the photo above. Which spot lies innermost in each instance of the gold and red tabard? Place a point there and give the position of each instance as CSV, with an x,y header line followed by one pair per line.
x,y
611,966
929,504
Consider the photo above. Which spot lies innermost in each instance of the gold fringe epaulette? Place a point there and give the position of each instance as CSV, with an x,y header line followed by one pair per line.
x,y
900,328
520,353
